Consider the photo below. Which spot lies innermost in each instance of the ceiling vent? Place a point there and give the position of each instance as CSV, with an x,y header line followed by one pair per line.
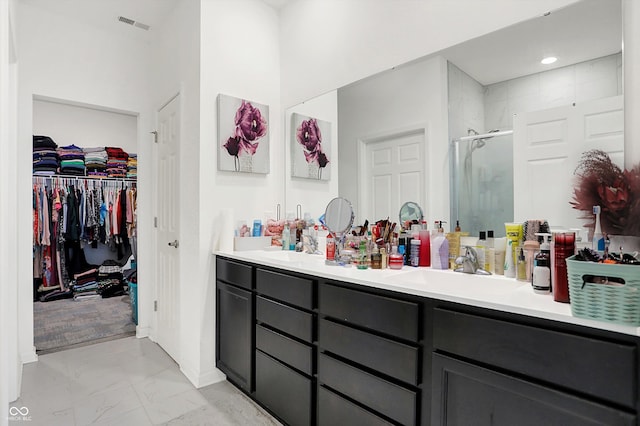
x,y
129,21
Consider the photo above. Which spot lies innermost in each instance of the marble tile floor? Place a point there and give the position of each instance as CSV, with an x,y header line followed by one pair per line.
x,y
125,382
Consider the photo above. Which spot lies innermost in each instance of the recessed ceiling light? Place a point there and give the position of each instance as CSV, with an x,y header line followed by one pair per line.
x,y
548,60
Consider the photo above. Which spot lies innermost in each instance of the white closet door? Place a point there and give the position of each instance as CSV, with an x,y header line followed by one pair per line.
x,y
548,145
168,296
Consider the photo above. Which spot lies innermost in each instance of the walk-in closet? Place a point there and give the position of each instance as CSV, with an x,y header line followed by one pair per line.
x,y
84,192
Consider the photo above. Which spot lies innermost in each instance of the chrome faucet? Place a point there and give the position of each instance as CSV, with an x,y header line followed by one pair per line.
x,y
469,262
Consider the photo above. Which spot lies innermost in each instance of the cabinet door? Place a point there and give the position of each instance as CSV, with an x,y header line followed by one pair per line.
x,y
234,329
466,394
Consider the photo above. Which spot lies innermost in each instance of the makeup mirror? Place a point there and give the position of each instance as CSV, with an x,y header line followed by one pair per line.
x,y
339,216
412,212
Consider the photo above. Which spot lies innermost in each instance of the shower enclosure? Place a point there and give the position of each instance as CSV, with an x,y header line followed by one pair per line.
x,y
481,181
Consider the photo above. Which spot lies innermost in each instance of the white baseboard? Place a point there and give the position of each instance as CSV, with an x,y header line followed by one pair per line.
x,y
203,379
29,356
142,331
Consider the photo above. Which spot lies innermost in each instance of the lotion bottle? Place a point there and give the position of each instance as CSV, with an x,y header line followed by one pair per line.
x,y
440,250
481,247
542,270
509,266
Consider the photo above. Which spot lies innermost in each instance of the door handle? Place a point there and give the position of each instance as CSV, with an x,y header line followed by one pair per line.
x,y
174,244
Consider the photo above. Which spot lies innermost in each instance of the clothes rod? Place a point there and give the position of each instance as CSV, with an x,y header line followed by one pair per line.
x,y
484,135
93,178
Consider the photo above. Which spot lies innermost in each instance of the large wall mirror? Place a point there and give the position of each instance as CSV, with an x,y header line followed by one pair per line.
x,y
481,132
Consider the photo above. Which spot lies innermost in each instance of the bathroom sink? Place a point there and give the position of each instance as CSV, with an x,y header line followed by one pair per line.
x,y
449,281
288,256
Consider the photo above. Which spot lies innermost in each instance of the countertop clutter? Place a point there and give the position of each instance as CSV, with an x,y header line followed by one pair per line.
x,y
492,292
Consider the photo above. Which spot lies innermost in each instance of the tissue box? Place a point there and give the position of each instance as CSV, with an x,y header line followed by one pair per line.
x,y
251,243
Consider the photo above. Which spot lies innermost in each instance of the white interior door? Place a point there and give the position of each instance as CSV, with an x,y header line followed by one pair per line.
x,y
168,294
548,145
394,172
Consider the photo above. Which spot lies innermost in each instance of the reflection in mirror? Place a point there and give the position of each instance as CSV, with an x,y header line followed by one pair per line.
x,y
410,212
493,82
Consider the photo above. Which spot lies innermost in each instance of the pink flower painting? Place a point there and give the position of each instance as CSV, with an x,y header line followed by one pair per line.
x,y
243,134
311,149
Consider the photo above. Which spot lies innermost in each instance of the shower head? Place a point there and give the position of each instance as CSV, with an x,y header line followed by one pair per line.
x,y
482,141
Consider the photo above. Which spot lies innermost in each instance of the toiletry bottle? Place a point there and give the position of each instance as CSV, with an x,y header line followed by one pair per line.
x,y
521,267
598,238
292,236
425,245
257,228
331,247
440,250
286,235
300,225
415,251
500,245
542,270
396,260
376,259
530,249
509,266
402,252
363,261
481,246
564,244
457,226
490,253
385,257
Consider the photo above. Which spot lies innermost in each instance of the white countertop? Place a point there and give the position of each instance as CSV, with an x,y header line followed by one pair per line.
x,y
492,292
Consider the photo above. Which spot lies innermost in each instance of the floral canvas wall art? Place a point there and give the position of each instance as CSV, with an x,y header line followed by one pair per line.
x,y
310,148
243,135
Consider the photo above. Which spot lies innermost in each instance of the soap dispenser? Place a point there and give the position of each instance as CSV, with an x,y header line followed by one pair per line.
x,y
542,270
439,249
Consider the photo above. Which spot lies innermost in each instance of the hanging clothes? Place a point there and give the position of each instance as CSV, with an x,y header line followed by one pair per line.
x,y
69,214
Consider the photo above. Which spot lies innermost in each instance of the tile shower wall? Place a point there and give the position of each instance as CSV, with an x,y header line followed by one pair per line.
x,y
486,179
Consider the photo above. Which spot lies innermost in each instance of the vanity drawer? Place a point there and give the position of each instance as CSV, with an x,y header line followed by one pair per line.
x,y
395,317
285,392
335,410
384,355
295,290
234,273
291,352
587,364
389,399
285,318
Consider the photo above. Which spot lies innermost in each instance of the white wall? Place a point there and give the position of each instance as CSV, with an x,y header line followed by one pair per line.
x,y
176,65
312,195
384,104
62,58
330,43
85,127
10,366
239,57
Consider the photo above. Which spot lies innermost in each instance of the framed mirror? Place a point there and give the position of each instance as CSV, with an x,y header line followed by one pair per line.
x,y
402,123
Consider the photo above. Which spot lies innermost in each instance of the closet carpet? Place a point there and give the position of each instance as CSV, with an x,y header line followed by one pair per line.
x,y
60,324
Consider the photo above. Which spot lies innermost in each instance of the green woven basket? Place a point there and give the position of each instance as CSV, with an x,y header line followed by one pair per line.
x,y
614,303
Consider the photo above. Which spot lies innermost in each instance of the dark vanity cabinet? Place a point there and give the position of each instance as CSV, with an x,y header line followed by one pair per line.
x,y
507,369
234,319
369,357
319,352
284,351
